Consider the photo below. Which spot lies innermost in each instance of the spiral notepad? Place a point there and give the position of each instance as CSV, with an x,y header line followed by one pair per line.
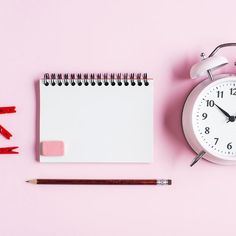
x,y
96,118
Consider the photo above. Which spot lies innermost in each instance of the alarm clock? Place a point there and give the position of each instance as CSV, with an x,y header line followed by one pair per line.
x,y
209,113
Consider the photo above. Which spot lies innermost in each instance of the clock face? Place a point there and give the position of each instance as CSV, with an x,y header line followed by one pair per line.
x,y
214,118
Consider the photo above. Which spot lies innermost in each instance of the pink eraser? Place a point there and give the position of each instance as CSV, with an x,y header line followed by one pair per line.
x,y
53,148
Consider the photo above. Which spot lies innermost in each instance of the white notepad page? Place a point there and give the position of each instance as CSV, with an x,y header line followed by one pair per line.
x,y
98,123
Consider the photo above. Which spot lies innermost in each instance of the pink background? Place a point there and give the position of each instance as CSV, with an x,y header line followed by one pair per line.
x,y
162,38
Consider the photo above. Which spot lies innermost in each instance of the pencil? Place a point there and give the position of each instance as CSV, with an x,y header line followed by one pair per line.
x,y
101,181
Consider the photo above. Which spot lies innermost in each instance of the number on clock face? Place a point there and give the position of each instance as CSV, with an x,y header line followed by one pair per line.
x,y
214,118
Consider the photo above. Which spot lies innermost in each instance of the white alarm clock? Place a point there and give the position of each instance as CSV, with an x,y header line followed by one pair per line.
x,y
209,113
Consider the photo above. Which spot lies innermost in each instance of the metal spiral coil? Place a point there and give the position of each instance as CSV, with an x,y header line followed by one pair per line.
x,y
106,79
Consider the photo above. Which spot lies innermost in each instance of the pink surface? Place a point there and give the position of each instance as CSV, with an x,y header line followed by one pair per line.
x,y
162,38
52,148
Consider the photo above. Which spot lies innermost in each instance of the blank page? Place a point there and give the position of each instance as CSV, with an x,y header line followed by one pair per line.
x,y
98,123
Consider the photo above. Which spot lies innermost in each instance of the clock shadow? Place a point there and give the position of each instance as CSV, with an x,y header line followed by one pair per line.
x,y
181,86
178,90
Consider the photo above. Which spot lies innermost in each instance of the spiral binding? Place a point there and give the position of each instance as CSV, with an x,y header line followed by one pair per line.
x,y
96,79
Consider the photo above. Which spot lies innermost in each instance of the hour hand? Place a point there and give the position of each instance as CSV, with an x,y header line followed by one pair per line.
x,y
223,111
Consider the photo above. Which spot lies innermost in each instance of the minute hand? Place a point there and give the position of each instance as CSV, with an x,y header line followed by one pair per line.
x,y
223,111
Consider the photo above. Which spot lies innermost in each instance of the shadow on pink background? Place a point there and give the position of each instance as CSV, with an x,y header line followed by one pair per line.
x,y
178,92
161,38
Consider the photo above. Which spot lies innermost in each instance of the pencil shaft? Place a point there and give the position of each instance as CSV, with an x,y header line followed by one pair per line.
x,y
98,181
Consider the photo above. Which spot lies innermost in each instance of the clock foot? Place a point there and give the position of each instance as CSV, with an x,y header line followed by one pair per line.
x,y
197,158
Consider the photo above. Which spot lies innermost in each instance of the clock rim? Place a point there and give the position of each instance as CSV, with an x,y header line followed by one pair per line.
x,y
187,124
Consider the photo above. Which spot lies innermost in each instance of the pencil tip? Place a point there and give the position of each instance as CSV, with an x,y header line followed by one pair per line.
x,y
31,181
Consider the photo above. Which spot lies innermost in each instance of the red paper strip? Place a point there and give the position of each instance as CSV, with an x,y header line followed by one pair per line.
x,y
8,150
5,133
4,110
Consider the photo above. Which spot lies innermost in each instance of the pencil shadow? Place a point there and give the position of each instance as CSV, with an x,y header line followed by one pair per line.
x,y
37,103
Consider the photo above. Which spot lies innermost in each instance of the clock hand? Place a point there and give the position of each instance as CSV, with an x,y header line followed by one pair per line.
x,y
231,119
223,111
